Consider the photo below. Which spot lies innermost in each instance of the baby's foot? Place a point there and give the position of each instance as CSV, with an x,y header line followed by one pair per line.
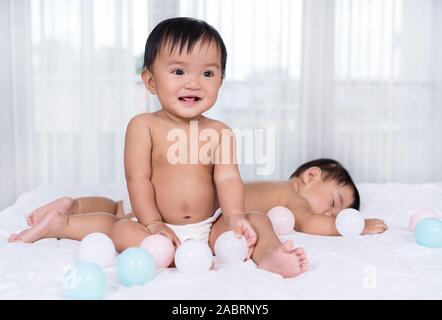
x,y
47,227
63,205
285,260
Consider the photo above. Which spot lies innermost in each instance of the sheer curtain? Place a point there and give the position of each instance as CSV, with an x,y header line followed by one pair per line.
x,y
387,89
70,86
356,80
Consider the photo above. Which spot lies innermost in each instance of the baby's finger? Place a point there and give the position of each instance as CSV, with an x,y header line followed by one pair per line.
x,y
238,232
175,239
251,237
249,253
250,250
382,222
382,225
170,235
166,234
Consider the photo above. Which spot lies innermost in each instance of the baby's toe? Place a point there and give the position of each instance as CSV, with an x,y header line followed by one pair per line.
x,y
304,266
13,238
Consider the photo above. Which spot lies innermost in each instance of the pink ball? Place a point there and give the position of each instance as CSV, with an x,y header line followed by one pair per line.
x,y
283,220
161,249
419,215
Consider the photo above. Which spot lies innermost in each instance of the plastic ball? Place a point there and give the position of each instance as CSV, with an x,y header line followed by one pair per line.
x,y
428,233
419,215
283,220
161,249
193,258
230,249
350,223
135,266
97,248
85,281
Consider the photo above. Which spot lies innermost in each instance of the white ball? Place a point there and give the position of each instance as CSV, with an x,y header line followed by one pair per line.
x,y
283,220
193,258
350,223
230,249
97,247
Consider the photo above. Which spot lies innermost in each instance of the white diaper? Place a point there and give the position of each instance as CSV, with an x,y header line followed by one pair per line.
x,y
196,231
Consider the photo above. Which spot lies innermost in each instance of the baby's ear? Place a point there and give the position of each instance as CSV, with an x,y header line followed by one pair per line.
x,y
148,80
311,174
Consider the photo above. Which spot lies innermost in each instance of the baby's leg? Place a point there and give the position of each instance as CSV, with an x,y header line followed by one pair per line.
x,y
63,205
126,233
269,254
100,204
61,226
71,206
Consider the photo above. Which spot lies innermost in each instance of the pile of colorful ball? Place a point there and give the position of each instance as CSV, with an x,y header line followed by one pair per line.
x,y
137,265
349,222
427,228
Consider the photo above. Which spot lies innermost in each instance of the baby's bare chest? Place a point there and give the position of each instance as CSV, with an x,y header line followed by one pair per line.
x,y
184,147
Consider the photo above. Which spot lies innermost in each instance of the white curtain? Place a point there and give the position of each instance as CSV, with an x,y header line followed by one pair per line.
x,y
69,84
356,80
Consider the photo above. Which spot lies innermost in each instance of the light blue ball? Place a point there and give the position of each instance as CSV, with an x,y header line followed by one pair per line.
x,y
135,266
428,233
85,281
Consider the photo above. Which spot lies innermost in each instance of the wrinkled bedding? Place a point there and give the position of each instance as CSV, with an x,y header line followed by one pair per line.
x,y
386,266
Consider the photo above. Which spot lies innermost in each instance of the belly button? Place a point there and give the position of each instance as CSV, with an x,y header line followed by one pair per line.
x,y
186,217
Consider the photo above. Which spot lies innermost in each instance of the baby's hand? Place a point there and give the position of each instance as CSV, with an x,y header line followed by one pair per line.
x,y
373,226
159,227
239,224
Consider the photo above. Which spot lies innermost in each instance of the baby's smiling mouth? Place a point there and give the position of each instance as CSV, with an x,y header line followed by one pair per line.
x,y
189,98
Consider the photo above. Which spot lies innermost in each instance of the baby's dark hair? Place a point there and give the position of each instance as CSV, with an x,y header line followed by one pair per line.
x,y
332,170
180,33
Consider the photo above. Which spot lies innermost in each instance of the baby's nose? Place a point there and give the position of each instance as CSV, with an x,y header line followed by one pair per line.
x,y
192,84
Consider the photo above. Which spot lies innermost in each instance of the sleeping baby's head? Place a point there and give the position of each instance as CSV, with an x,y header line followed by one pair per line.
x,y
327,186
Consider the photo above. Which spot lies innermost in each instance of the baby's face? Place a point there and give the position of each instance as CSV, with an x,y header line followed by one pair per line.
x,y
327,197
187,84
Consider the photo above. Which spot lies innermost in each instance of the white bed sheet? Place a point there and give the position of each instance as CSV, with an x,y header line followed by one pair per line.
x,y
386,266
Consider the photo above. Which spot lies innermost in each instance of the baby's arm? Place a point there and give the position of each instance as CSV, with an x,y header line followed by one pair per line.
x,y
323,225
137,166
318,224
230,188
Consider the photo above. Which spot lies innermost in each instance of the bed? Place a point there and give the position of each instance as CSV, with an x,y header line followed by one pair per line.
x,y
386,266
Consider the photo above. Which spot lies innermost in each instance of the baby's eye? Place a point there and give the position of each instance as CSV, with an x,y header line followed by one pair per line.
x,y
178,72
208,74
